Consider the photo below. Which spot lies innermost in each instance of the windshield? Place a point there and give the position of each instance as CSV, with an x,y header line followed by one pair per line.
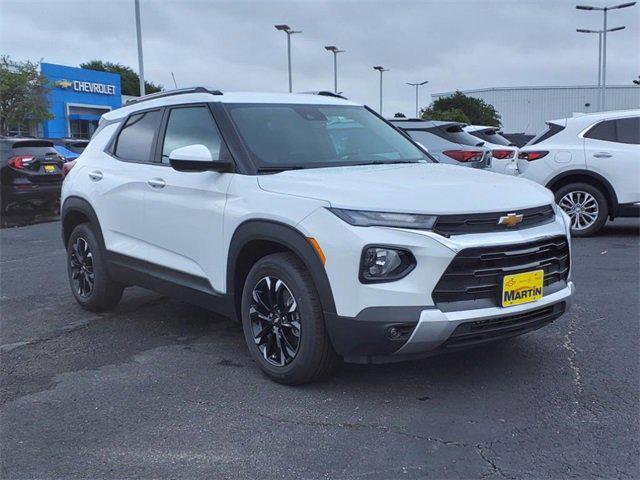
x,y
282,136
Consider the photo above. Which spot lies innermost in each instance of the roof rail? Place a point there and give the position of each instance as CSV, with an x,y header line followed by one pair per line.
x,y
326,93
169,93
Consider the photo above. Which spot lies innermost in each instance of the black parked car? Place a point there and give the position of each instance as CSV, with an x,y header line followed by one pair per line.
x,y
30,172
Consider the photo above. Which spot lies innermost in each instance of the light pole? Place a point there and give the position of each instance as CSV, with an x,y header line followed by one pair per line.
x,y
336,51
140,62
417,85
380,69
599,32
286,29
604,43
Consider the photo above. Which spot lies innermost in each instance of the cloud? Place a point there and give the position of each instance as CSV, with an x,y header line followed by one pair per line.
x,y
233,45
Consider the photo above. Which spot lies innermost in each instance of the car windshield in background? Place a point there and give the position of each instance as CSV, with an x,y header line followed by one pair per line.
x,y
286,136
491,136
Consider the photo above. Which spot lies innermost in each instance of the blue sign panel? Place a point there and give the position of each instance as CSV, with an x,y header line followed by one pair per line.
x,y
78,98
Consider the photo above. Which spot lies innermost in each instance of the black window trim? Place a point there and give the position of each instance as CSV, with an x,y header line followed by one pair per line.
x,y
157,157
111,146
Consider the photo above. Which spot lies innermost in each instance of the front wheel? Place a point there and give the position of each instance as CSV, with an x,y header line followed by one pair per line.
x,y
586,206
283,321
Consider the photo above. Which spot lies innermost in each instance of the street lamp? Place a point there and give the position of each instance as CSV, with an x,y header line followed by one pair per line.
x,y
336,51
286,29
417,85
599,32
604,42
380,69
140,62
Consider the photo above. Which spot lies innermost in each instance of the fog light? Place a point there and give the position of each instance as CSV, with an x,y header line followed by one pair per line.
x,y
384,264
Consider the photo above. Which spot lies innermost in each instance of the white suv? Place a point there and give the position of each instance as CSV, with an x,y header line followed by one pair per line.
x,y
591,163
325,230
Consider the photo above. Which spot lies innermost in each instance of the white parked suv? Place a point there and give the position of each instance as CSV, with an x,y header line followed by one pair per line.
x,y
591,163
504,153
325,230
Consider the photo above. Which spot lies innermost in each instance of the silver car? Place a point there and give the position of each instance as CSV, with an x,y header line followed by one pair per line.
x,y
447,142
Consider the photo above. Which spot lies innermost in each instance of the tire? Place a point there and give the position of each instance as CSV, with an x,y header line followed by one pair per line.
x,y
283,356
586,205
90,283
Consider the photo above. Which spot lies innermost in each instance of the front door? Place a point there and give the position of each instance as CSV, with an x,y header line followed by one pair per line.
x,y
184,210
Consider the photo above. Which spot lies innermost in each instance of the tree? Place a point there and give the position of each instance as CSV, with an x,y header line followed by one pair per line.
x,y
129,80
476,110
23,94
452,115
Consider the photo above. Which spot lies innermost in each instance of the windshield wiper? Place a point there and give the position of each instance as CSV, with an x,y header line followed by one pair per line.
x,y
387,162
280,168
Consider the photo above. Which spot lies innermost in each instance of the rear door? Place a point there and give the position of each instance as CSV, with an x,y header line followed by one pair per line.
x,y
612,149
117,183
184,210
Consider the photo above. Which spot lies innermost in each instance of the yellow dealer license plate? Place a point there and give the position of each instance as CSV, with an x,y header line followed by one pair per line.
x,y
49,168
522,288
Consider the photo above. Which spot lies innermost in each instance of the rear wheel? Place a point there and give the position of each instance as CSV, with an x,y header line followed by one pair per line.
x,y
90,283
586,206
283,321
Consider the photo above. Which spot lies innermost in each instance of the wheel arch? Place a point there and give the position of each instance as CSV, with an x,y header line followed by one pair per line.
x,y
592,178
255,239
74,211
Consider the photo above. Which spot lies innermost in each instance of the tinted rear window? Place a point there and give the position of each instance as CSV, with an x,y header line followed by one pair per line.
x,y
491,136
455,134
603,131
551,130
135,140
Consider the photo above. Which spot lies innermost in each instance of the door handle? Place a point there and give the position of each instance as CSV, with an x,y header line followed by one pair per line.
x,y
602,155
156,183
95,175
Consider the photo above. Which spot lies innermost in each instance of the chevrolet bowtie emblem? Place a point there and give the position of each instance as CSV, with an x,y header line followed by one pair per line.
x,y
510,220
63,83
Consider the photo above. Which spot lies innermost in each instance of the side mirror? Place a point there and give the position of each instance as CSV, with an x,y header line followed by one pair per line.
x,y
196,158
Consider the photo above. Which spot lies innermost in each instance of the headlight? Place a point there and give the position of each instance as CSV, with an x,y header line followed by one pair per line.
x,y
385,264
364,218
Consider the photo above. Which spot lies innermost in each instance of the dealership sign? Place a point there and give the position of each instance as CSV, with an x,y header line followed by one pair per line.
x,y
87,87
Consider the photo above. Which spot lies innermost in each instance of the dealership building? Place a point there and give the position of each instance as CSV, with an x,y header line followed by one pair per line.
x,y
526,109
77,99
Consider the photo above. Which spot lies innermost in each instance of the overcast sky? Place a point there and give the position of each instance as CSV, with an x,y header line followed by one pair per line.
x,y
232,45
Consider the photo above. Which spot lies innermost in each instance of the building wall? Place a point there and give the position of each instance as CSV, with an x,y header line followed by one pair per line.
x,y
526,109
88,93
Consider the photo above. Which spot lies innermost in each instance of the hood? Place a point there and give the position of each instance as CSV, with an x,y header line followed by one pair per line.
x,y
411,188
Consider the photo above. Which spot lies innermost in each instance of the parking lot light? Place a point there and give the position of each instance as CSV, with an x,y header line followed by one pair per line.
x,y
603,84
336,51
289,31
417,85
381,69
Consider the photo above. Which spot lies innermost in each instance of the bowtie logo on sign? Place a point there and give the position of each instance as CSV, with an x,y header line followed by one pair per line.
x,y
87,87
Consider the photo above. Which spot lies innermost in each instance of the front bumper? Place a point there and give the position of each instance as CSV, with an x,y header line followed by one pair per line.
x,y
366,339
436,327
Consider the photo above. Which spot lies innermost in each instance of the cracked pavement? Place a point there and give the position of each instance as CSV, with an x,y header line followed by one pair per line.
x,y
162,389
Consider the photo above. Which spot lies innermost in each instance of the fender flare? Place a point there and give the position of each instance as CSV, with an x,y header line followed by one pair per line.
x,y
290,238
611,193
79,205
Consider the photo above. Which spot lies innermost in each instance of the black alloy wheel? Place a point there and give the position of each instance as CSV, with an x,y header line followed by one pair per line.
x,y
81,265
275,321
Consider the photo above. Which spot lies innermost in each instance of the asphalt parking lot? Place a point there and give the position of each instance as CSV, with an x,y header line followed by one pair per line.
x,y
162,389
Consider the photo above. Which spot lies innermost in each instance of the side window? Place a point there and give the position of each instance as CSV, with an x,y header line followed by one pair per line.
x,y
603,131
628,130
189,126
135,140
